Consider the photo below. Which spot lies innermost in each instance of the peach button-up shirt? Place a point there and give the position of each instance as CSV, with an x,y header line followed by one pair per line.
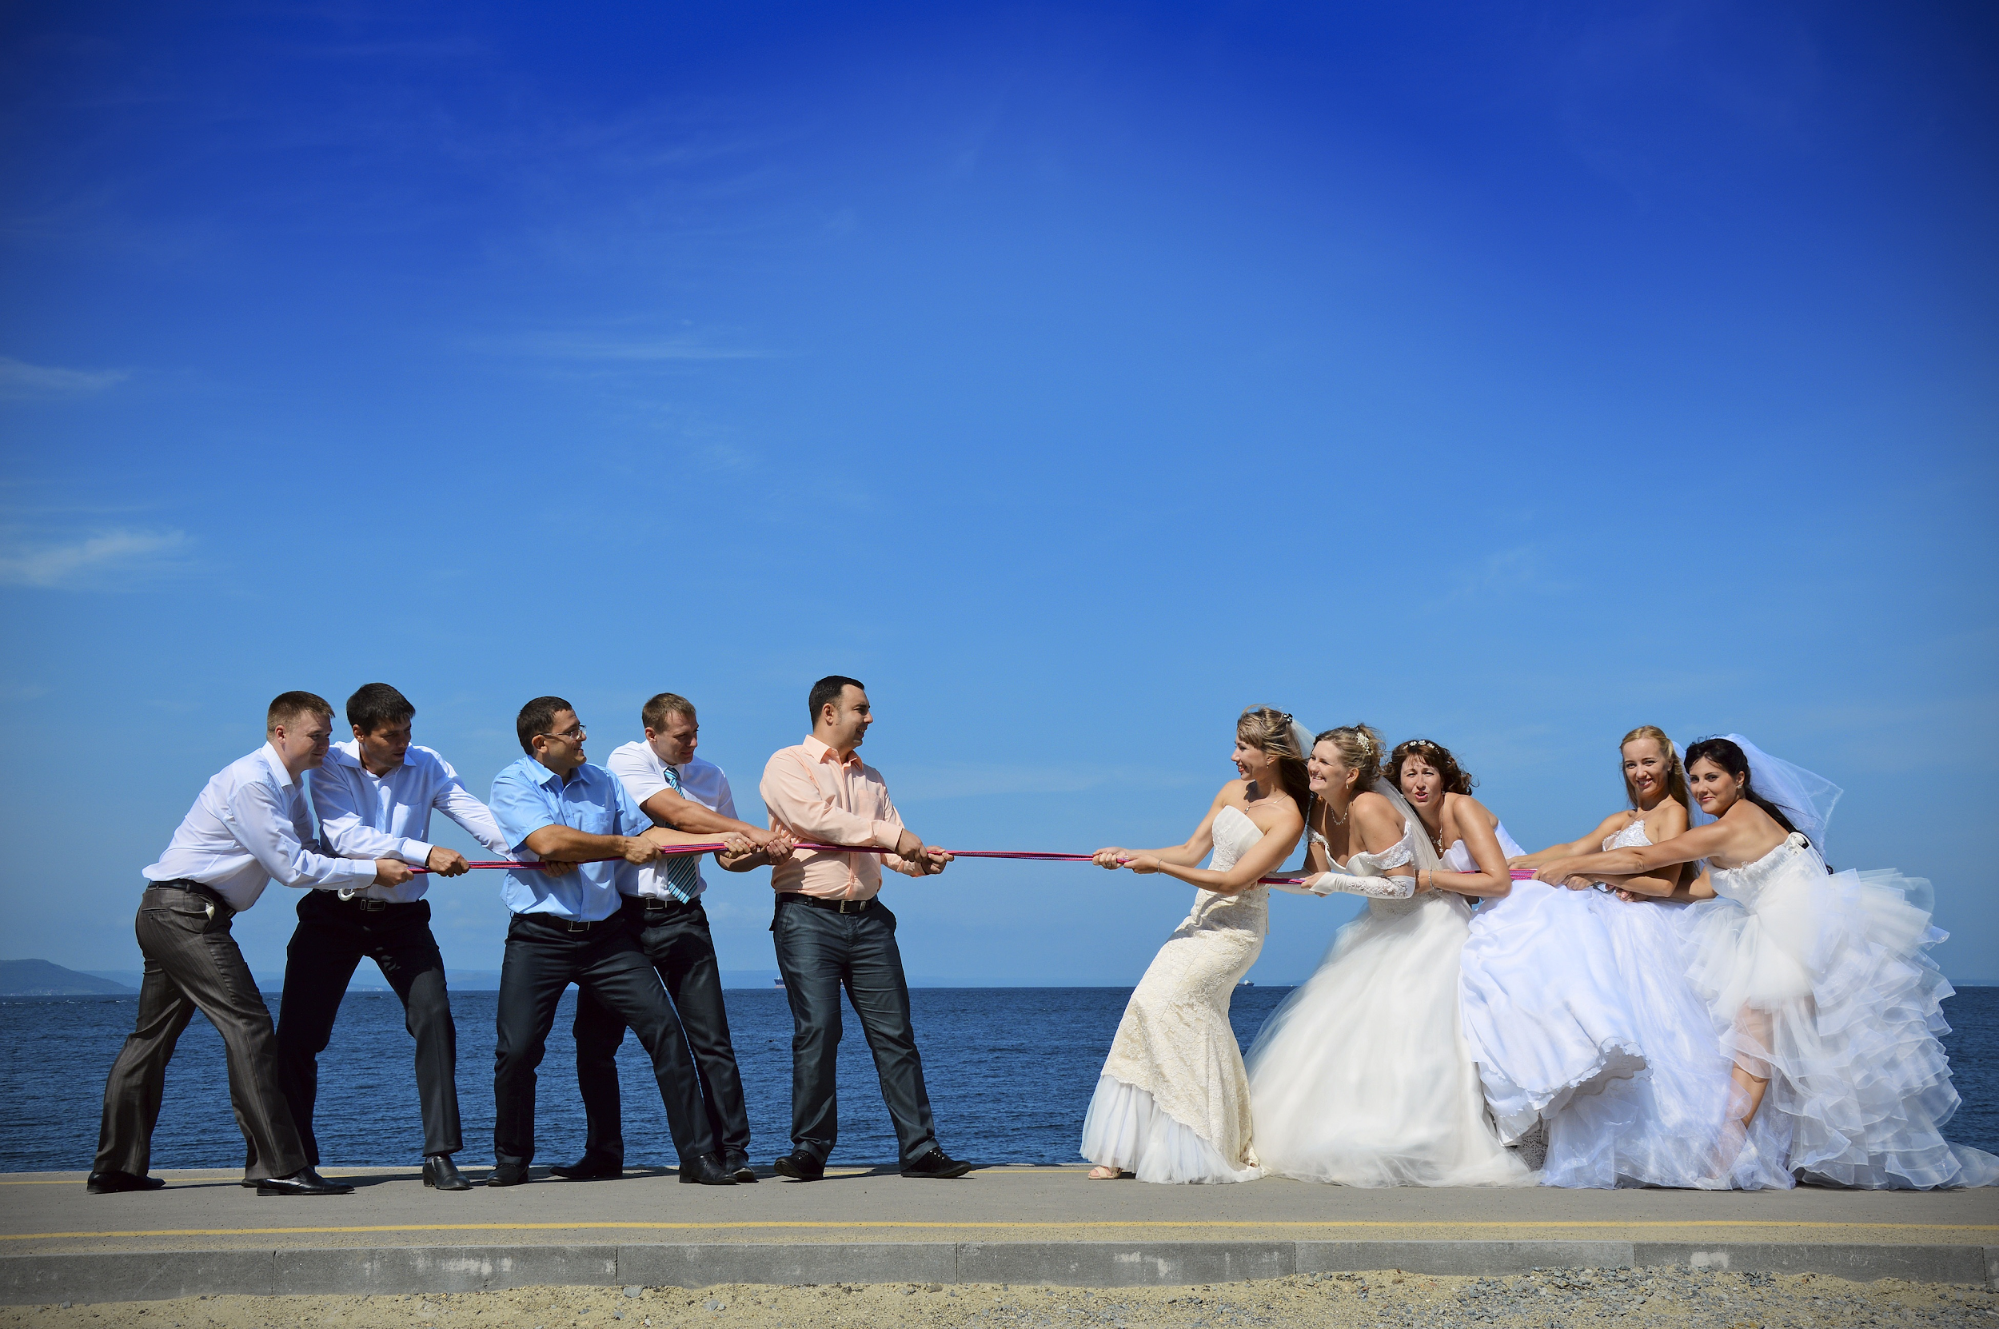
x,y
814,795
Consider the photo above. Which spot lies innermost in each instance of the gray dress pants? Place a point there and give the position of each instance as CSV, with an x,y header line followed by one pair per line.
x,y
192,963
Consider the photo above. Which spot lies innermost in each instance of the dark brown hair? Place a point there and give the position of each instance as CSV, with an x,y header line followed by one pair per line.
x,y
1457,780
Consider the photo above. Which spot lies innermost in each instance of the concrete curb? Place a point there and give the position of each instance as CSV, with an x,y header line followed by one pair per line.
x,y
98,1276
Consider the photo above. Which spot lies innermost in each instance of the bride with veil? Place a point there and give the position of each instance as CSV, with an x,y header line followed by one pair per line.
x,y
1362,1076
1816,981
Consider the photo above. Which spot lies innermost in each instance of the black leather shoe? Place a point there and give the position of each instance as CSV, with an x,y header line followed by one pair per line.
x,y
111,1182
800,1166
507,1174
706,1170
303,1182
937,1164
590,1167
440,1173
737,1164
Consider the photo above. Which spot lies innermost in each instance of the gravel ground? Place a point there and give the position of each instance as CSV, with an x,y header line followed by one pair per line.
x,y
1544,1299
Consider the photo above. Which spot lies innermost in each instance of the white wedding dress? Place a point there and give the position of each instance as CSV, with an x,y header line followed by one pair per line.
x,y
1659,1127
1172,1103
1547,1014
1819,982
1362,1076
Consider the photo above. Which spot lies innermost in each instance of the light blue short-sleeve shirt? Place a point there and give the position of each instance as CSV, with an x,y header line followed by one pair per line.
x,y
528,796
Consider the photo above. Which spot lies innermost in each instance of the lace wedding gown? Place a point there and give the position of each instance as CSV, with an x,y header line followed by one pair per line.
x,y
1362,1076
1659,1127
1547,1014
1820,983
1172,1103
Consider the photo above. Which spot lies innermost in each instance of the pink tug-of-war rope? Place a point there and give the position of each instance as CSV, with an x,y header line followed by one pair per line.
x,y
675,850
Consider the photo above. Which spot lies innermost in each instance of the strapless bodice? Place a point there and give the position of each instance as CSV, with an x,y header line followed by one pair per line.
x,y
1234,834
1631,837
1458,857
1753,885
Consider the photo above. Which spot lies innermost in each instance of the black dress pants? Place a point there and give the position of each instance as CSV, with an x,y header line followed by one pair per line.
x,y
332,939
192,963
676,939
545,955
819,952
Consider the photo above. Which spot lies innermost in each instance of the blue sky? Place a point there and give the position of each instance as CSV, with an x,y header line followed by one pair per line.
x,y
1075,376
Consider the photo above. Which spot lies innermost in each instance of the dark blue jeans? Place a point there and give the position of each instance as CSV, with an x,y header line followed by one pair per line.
x,y
543,957
819,952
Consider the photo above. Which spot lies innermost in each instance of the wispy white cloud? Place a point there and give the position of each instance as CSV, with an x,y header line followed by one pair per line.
x,y
108,560
18,378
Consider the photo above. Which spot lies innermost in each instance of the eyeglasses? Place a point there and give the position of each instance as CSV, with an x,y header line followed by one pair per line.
x,y
574,735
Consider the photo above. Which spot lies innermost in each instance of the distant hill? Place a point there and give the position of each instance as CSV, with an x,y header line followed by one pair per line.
x,y
40,978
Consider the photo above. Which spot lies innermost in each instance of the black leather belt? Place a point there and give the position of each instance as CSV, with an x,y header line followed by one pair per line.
x,y
201,888
660,904
818,902
559,924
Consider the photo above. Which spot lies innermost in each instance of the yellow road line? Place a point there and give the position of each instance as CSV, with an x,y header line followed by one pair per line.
x,y
809,1225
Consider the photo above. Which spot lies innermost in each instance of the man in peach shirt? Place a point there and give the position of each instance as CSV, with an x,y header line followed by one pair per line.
x,y
832,931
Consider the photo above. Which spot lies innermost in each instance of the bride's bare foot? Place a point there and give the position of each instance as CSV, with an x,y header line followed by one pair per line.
x,y
1104,1173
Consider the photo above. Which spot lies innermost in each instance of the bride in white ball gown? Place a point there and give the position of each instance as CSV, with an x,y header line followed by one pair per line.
x,y
1172,1103
1578,1006
1362,1077
1817,983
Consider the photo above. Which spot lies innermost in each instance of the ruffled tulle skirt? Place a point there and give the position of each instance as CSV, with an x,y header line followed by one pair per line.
x,y
1126,1129
1547,1014
1660,1127
1820,984
1362,1076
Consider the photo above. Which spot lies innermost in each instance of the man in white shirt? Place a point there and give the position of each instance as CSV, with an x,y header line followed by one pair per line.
x,y
249,827
678,790
374,797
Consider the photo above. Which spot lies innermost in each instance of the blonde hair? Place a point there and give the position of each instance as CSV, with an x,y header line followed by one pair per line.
x,y
1676,774
1270,732
1361,749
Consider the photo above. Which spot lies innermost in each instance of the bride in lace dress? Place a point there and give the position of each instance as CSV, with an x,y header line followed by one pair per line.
x,y
1578,1008
1817,983
1172,1103
1362,1076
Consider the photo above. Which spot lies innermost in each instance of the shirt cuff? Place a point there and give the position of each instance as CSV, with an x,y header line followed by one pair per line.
x,y
887,834
415,853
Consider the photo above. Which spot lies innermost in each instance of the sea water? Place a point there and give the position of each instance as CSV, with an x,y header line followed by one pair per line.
x,y
1010,1072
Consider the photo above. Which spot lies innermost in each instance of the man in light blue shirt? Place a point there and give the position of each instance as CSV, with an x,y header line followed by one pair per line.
x,y
554,806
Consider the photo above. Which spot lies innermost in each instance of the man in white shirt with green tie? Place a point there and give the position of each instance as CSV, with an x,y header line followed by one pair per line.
x,y
679,790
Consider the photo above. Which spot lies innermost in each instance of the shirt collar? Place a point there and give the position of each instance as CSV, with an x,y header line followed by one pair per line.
x,y
819,752
544,775
277,765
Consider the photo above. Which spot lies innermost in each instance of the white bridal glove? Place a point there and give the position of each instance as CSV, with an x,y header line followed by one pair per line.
x,y
1377,888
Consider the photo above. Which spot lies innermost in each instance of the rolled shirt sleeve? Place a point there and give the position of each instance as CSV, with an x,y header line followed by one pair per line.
x,y
520,808
632,819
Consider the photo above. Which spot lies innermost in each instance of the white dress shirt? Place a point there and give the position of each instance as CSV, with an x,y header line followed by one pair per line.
x,y
251,827
362,815
644,775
